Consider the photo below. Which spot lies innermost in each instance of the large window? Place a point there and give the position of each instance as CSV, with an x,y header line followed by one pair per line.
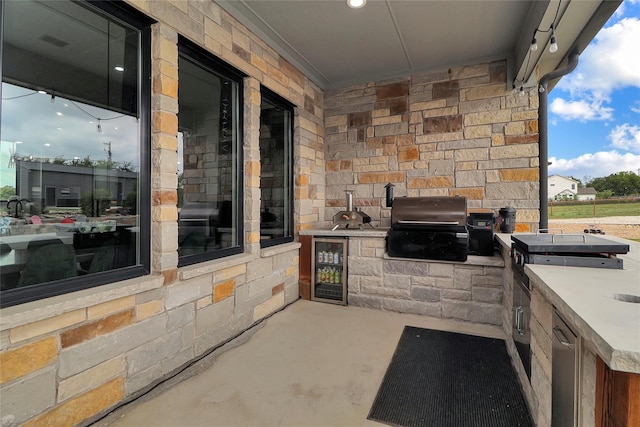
x,y
74,135
209,157
276,170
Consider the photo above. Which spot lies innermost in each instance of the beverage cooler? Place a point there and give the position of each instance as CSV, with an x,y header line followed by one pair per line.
x,y
329,270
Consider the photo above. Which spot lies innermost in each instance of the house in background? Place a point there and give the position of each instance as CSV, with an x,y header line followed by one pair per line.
x,y
560,187
586,193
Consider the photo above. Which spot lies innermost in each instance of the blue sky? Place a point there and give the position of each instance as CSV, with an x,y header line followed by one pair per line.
x,y
594,112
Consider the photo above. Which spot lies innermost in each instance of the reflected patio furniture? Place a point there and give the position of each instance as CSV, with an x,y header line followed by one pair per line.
x,y
194,243
21,241
42,242
47,263
5,224
15,207
4,248
103,259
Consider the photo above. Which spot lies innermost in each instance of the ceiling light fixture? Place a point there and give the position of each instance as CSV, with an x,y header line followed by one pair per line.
x,y
356,4
553,47
534,44
118,68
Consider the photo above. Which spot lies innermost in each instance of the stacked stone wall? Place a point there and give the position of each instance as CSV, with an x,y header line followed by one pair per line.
x,y
68,359
461,291
461,132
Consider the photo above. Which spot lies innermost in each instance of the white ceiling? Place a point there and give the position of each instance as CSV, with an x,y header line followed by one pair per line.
x,y
337,46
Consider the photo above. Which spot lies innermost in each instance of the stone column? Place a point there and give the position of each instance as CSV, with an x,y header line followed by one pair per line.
x,y
164,152
251,148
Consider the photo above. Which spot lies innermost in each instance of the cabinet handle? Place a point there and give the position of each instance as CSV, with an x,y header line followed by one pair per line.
x,y
519,318
560,336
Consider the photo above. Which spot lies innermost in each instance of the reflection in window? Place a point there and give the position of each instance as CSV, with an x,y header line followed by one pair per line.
x,y
276,170
70,149
209,158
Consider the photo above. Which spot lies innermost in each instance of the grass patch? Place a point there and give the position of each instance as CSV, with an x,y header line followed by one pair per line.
x,y
587,210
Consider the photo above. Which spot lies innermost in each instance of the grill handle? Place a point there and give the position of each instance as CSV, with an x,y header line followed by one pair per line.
x,y
409,222
519,320
561,337
553,235
546,231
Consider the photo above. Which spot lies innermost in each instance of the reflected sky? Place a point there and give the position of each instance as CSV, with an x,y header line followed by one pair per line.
x,y
33,125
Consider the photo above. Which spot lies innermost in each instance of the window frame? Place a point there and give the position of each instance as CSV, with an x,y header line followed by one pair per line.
x,y
134,18
274,98
217,66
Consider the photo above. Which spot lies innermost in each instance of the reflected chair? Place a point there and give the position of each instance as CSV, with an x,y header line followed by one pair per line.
x,y
42,242
47,263
104,258
194,243
4,248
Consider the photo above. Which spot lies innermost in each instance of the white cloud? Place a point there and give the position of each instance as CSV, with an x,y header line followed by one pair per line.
x,y
626,137
600,164
610,62
582,110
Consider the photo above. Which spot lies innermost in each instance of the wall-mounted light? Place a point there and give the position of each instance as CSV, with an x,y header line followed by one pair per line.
x,y
356,4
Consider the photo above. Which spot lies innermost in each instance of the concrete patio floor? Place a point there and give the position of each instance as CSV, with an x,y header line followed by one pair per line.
x,y
312,364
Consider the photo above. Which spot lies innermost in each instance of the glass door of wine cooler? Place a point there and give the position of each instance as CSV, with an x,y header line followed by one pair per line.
x,y
329,270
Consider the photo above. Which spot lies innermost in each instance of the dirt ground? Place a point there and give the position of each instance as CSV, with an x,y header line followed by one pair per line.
x,y
626,228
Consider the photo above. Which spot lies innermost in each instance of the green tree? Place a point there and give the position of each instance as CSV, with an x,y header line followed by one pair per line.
x,y
6,192
86,162
604,194
95,203
620,184
576,179
131,202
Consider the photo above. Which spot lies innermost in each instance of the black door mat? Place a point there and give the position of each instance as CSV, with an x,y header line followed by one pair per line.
x,y
446,379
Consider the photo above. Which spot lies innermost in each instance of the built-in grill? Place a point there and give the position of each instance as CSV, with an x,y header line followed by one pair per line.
x,y
428,228
569,250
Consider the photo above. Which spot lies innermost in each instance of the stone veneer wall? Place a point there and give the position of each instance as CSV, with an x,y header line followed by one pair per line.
x,y
66,359
461,291
461,131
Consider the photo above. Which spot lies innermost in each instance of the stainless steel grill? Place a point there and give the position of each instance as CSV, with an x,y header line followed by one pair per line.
x,y
429,228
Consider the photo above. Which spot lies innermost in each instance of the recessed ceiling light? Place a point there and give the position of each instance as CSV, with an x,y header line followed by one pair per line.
x,y
59,113
356,4
118,68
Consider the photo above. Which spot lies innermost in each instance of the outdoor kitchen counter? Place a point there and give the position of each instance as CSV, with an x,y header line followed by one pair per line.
x,y
366,231
587,299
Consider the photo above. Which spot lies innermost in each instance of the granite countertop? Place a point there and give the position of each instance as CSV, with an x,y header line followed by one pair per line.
x,y
598,302
366,231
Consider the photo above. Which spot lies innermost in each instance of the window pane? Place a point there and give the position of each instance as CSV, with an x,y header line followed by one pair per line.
x,y
208,169
70,155
275,171
77,52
